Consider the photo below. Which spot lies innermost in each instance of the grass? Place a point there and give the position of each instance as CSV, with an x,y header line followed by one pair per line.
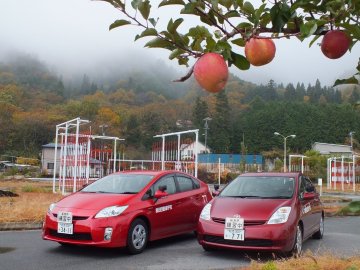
x,y
308,262
32,203
353,209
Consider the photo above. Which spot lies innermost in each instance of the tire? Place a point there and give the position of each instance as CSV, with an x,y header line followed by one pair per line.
x,y
208,248
320,233
138,236
297,248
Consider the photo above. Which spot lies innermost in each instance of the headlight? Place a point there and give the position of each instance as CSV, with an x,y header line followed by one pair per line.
x,y
111,211
205,213
51,207
280,216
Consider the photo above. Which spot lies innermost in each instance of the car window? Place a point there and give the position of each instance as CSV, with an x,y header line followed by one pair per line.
x,y
185,183
169,182
302,184
267,187
309,186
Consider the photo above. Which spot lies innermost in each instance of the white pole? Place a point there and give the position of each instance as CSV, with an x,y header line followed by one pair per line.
x,y
114,170
60,160
196,152
335,173
302,164
353,173
219,170
76,154
65,158
163,154
88,160
342,173
178,148
290,163
55,157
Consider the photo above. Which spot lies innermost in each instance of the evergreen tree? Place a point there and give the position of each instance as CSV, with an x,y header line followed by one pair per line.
x,y
219,134
200,112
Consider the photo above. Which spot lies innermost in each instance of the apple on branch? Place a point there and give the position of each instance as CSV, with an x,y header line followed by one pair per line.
x,y
335,44
260,51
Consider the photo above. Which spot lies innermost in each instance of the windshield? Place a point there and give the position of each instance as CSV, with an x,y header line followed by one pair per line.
x,y
274,187
119,183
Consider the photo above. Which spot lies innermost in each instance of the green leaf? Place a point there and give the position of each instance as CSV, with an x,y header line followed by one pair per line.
x,y
199,32
239,41
226,3
280,15
135,4
240,61
144,8
307,29
175,53
248,8
153,21
210,44
313,40
146,33
190,8
171,2
118,23
172,26
232,14
351,80
158,43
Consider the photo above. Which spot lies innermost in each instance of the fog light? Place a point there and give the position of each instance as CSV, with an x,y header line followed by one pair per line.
x,y
107,234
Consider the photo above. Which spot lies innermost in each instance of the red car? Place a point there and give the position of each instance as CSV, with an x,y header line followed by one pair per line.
x,y
263,212
128,209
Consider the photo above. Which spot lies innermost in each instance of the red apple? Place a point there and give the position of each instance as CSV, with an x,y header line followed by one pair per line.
x,y
335,44
260,51
211,72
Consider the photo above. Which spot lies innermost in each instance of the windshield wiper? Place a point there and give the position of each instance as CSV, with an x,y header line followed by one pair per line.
x,y
128,192
277,197
243,196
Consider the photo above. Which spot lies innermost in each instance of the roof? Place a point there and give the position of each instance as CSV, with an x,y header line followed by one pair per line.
x,y
230,158
288,174
328,148
51,145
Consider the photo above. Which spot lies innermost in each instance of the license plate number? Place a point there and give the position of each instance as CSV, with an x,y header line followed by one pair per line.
x,y
65,228
234,234
234,229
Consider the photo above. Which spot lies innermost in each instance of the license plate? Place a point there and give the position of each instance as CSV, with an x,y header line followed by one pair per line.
x,y
234,229
65,228
64,217
234,234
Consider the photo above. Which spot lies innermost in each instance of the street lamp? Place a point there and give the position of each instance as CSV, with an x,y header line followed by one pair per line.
x,y
290,136
103,126
206,128
351,139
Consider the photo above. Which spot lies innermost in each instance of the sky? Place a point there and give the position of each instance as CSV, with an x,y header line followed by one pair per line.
x,y
73,36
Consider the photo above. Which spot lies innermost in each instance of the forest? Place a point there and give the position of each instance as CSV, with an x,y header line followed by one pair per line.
x,y
138,104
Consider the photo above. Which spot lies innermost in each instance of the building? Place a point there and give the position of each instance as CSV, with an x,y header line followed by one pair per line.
x,y
47,162
332,149
188,150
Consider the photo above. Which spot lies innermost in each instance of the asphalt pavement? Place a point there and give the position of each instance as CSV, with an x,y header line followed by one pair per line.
x,y
26,250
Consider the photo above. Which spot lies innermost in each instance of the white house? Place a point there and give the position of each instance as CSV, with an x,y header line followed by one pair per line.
x,y
332,149
187,151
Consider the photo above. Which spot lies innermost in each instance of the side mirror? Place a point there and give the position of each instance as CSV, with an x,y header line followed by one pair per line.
x,y
159,194
216,187
309,196
310,189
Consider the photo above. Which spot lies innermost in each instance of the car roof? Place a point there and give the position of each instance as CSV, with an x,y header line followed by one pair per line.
x,y
150,172
288,174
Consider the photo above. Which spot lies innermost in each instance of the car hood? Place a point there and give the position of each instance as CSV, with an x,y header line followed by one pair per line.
x,y
93,201
247,208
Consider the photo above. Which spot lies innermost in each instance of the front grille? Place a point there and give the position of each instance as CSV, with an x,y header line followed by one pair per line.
x,y
74,217
75,236
246,222
245,243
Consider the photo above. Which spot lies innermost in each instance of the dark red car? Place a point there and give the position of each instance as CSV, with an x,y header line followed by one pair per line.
x,y
263,212
128,209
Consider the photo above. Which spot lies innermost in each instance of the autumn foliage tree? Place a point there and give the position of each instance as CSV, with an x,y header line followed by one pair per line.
x,y
226,24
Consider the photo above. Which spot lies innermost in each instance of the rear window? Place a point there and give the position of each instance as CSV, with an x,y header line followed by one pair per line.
x,y
185,183
271,187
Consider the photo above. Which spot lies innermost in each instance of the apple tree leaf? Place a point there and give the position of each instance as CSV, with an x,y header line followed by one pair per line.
x,y
351,80
171,2
118,23
144,8
147,32
280,15
173,25
239,61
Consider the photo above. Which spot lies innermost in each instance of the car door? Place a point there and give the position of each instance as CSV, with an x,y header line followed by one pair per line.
x,y
306,206
315,204
165,213
191,201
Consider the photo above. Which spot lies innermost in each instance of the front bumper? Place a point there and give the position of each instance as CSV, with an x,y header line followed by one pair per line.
x,y
88,231
264,237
